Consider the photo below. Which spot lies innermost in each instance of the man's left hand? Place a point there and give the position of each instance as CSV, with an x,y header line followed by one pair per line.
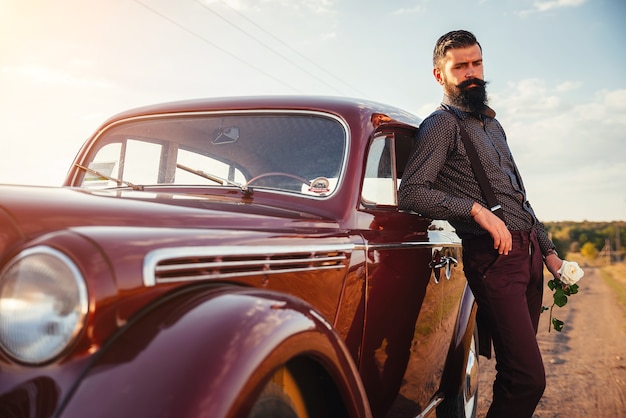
x,y
553,263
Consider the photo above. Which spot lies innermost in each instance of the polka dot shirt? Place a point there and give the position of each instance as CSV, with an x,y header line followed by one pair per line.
x,y
439,183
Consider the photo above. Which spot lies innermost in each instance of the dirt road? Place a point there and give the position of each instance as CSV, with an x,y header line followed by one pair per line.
x,y
585,363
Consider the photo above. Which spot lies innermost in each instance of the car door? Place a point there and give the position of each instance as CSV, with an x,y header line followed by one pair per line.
x,y
406,334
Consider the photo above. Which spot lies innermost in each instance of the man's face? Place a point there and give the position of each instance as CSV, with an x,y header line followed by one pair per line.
x,y
459,65
461,75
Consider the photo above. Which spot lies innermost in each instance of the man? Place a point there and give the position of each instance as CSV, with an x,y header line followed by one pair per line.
x,y
502,258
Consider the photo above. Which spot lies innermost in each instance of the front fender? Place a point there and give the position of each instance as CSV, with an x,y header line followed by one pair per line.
x,y
206,352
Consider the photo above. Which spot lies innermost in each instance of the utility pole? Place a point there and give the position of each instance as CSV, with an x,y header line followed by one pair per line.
x,y
618,246
605,252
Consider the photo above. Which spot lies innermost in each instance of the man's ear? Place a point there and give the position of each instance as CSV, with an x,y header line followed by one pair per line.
x,y
438,75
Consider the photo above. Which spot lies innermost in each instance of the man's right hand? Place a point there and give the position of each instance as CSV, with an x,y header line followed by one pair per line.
x,y
502,240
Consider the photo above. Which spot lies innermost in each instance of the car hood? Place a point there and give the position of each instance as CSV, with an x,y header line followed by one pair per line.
x,y
117,238
34,211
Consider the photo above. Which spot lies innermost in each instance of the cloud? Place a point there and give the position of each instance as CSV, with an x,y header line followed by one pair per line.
x,y
542,6
418,8
530,98
316,6
568,86
554,119
567,144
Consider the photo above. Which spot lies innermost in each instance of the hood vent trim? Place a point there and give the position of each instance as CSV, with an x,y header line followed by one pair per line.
x,y
184,264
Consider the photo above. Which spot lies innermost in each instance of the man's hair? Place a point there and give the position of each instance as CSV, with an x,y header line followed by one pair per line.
x,y
452,40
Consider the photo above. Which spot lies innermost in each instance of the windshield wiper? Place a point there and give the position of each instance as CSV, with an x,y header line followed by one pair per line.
x,y
104,176
216,179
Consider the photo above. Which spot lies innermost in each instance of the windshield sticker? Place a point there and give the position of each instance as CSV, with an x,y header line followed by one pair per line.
x,y
320,185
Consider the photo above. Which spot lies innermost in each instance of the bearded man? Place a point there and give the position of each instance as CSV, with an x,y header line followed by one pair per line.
x,y
502,255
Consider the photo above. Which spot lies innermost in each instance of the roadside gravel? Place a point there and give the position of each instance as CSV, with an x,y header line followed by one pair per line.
x,y
585,363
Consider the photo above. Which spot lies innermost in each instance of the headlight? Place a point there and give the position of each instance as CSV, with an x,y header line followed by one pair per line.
x,y
43,304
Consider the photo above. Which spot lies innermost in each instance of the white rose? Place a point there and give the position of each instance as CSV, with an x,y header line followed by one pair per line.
x,y
570,272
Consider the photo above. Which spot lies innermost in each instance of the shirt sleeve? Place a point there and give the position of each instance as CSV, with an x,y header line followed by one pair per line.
x,y
545,243
436,139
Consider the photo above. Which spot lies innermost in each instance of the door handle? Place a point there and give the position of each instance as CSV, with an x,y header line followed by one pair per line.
x,y
439,262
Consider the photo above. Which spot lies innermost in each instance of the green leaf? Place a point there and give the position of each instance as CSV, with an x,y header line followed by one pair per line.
x,y
561,293
560,299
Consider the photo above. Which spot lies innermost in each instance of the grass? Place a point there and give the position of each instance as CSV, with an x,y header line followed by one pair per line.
x,y
615,277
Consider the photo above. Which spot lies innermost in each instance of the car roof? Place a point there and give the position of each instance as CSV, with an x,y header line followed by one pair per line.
x,y
341,106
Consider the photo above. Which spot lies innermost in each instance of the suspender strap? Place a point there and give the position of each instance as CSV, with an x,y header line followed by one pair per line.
x,y
479,170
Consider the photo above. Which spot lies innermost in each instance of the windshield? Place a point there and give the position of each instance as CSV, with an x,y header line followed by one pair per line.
x,y
289,152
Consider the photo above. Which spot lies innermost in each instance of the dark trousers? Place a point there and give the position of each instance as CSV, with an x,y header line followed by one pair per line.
x,y
508,290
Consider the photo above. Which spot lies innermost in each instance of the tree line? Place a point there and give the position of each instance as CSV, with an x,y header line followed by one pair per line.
x,y
591,239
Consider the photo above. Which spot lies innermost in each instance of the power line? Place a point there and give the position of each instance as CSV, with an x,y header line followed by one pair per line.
x,y
195,34
265,45
277,39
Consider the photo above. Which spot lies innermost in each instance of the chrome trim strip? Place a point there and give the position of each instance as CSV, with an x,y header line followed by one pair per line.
x,y
238,274
263,265
247,263
406,245
431,407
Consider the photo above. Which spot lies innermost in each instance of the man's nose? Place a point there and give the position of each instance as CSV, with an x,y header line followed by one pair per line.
x,y
471,71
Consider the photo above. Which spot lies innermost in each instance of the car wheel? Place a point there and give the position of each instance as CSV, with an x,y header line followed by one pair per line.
x,y
281,398
464,405
273,402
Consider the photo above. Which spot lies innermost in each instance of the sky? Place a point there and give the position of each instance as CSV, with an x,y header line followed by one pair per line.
x,y
556,71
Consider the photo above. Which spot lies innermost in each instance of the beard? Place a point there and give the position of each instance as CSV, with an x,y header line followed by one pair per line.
x,y
472,98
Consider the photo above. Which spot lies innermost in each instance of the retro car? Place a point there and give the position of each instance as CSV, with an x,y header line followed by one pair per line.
x,y
234,257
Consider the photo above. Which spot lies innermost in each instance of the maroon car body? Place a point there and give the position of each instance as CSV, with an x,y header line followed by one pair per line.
x,y
230,257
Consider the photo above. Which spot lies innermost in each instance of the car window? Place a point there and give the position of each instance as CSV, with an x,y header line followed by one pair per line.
x,y
290,152
388,155
378,183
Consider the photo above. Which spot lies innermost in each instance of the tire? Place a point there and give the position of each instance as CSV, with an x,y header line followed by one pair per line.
x,y
284,396
465,403
273,402
299,389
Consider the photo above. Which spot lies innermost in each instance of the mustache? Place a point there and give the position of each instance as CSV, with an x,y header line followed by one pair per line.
x,y
477,81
